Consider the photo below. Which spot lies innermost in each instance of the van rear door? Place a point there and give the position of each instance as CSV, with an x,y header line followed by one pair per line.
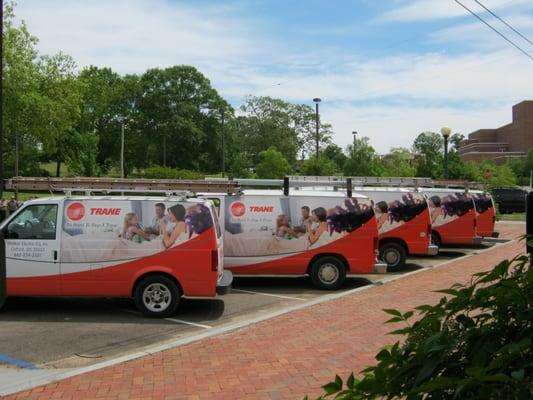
x,y
32,251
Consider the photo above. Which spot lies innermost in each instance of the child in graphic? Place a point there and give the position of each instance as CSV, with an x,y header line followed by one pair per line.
x,y
132,229
282,226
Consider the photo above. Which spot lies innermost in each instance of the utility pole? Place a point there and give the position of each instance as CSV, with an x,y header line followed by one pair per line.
x,y
317,100
122,151
17,155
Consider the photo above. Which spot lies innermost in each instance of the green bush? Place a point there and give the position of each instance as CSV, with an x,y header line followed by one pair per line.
x,y
160,172
476,343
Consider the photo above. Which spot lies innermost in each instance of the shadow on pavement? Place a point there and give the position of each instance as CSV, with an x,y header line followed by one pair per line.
x,y
100,311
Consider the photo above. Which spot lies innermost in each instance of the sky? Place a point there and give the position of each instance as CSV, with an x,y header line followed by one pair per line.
x,y
388,69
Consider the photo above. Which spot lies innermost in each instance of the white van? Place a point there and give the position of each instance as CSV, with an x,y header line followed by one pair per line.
x,y
152,249
325,235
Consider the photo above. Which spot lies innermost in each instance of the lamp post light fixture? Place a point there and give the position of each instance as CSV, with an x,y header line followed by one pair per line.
x,y
445,131
354,133
316,100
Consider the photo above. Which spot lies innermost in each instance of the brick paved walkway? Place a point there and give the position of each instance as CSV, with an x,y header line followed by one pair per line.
x,y
282,358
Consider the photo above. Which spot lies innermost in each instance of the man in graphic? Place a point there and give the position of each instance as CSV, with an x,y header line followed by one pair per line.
x,y
302,223
154,229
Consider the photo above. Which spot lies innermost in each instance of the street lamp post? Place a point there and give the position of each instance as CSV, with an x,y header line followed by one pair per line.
x,y
223,144
354,133
316,100
445,134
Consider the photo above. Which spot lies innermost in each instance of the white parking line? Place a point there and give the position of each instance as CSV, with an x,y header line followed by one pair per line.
x,y
180,321
268,294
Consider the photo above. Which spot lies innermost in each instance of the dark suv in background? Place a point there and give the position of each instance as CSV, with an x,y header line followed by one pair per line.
x,y
510,199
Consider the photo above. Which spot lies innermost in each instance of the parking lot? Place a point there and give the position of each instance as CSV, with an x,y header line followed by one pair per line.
x,y
69,333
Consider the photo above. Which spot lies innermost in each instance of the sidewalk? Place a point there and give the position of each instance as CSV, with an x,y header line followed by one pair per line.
x,y
282,358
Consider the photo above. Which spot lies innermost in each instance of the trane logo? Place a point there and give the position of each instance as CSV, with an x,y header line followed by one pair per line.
x,y
262,209
105,211
238,209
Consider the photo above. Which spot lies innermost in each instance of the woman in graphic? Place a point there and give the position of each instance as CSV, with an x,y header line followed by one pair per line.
x,y
382,213
132,229
436,212
319,216
176,215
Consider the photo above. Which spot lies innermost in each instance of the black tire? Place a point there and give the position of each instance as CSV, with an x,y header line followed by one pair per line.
x,y
394,255
328,273
157,296
435,239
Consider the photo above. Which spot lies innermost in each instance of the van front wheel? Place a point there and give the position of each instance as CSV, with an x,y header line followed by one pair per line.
x,y
157,296
328,273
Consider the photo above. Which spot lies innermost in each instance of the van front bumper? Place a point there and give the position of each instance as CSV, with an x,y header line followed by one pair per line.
x,y
433,250
224,283
380,268
477,240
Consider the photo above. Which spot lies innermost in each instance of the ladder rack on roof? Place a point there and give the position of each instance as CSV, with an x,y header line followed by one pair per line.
x,y
122,185
388,181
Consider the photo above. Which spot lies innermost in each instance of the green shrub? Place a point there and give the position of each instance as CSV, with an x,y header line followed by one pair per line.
x,y
476,343
160,172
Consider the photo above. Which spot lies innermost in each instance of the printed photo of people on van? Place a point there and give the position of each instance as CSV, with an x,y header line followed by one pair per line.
x,y
289,225
482,201
129,229
444,209
392,214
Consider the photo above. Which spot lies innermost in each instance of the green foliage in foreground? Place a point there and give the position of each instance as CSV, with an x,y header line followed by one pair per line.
x,y
476,343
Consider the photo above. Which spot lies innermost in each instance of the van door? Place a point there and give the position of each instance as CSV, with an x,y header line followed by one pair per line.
x,y
32,251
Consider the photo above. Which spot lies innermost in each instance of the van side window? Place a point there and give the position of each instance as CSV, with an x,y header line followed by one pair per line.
x,y
34,222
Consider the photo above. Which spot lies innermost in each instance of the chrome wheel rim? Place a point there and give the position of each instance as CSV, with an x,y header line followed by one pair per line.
x,y
328,273
157,297
391,257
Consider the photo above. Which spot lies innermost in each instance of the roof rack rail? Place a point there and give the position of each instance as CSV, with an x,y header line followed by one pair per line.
x,y
415,182
109,185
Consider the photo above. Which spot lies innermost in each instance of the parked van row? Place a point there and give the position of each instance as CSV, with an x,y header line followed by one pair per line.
x,y
158,249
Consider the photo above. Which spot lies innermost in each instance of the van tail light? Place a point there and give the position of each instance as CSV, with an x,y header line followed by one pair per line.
x,y
475,223
214,260
429,230
376,245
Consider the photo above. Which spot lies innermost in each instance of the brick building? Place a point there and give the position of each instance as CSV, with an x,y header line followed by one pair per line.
x,y
500,144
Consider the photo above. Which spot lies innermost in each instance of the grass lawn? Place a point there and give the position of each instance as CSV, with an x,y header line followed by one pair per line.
x,y
512,217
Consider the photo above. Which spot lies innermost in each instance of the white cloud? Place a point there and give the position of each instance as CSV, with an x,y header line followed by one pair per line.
x,y
427,10
398,126
133,35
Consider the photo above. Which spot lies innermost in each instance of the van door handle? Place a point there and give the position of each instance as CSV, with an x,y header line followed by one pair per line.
x,y
55,255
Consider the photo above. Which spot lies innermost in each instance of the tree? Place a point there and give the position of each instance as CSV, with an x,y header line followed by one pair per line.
x,y
399,162
335,154
182,114
322,166
41,96
272,164
429,145
363,160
